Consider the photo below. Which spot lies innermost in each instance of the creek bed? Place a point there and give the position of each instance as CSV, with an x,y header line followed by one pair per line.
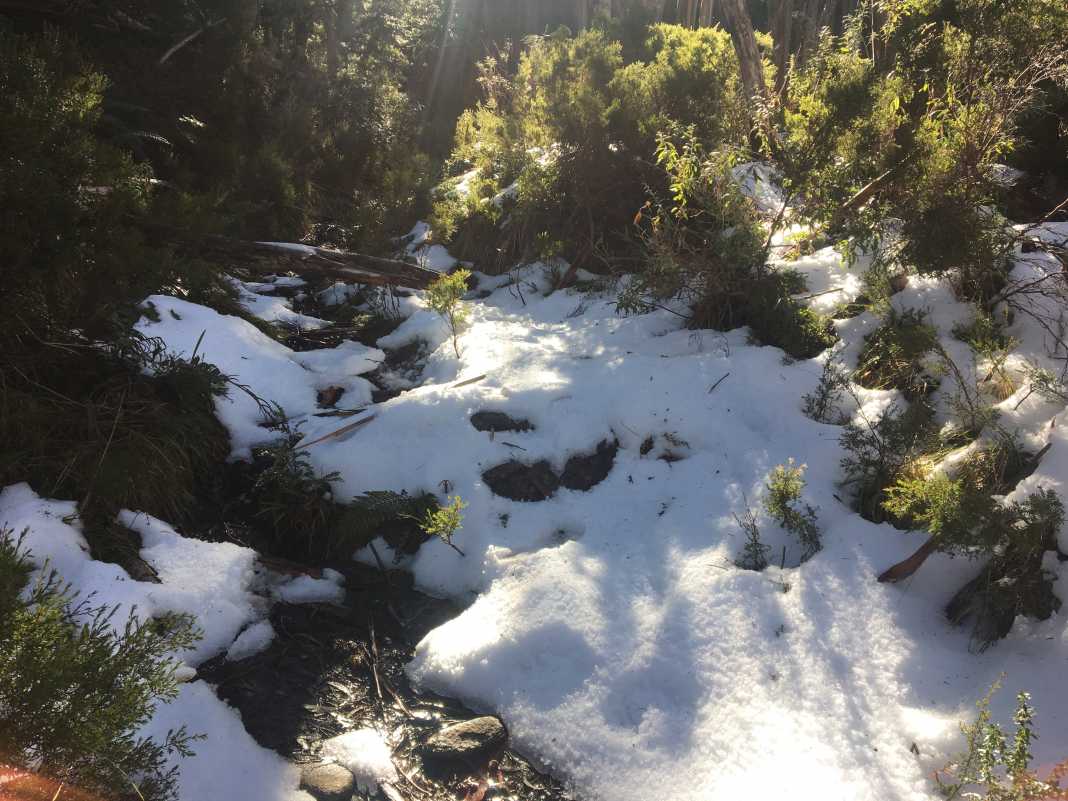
x,y
337,668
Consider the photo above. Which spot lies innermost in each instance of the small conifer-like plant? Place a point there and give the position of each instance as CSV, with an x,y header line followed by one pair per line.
x,y
444,296
821,404
293,502
754,554
783,502
445,521
997,767
878,451
76,686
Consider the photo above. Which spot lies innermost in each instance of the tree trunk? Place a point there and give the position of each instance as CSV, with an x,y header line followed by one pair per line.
x,y
905,568
745,47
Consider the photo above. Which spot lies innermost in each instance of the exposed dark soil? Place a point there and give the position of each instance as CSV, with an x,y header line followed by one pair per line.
x,y
537,482
588,470
499,421
522,482
333,669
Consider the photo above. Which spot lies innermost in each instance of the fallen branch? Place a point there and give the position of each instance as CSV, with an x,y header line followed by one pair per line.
x,y
186,40
906,567
467,381
339,433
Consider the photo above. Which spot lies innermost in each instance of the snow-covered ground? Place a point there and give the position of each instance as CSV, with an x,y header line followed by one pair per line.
x,y
610,628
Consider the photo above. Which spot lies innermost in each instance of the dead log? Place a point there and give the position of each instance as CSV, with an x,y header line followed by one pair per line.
x,y
274,257
905,568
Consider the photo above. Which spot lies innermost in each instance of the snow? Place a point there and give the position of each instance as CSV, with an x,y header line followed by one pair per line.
x,y
305,589
273,309
366,754
610,628
251,641
267,368
759,182
432,257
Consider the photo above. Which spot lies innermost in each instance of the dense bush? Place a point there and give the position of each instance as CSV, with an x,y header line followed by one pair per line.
x,y
576,132
76,686
704,245
892,357
906,122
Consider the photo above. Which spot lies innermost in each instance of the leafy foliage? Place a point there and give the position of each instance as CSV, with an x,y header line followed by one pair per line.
x,y
878,451
445,521
565,148
997,767
76,686
705,247
443,296
822,403
293,503
906,121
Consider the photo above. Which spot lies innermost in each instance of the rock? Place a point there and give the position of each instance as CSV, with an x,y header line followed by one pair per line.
x,y
499,421
328,781
329,397
587,471
522,482
472,742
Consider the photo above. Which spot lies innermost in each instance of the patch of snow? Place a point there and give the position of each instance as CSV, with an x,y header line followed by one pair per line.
x,y
251,641
269,369
760,182
305,589
366,754
273,309
611,629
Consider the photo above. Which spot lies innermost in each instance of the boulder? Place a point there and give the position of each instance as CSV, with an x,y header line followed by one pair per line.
x,y
471,742
327,781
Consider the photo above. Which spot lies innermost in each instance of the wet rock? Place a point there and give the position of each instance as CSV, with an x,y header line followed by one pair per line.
x,y
587,471
522,482
327,398
327,782
472,742
499,421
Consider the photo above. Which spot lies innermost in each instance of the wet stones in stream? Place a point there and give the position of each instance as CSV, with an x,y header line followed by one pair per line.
x,y
335,669
538,482
401,370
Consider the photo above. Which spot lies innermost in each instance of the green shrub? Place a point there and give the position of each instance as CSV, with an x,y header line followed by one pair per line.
x,y
877,453
445,521
893,353
996,767
905,121
444,297
822,403
74,691
292,503
704,246
394,516
783,503
576,130
121,426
